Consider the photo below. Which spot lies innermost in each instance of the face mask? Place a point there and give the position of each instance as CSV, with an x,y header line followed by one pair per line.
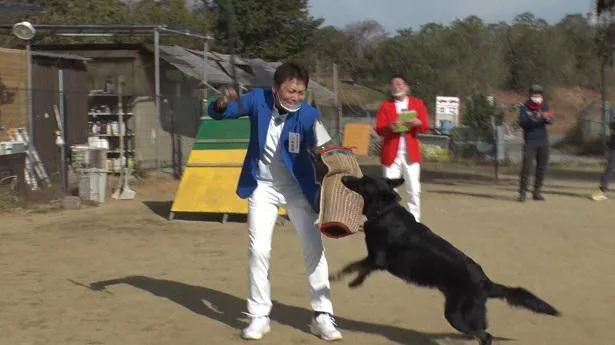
x,y
288,109
399,94
536,99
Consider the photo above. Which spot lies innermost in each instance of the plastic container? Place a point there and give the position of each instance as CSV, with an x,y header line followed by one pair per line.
x,y
93,184
10,147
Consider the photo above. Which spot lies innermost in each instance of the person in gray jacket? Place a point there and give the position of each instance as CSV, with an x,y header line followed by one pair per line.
x,y
600,195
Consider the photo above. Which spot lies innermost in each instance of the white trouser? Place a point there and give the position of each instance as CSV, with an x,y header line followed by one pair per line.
x,y
412,181
262,214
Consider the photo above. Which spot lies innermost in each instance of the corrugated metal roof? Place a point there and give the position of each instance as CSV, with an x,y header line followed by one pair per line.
x,y
227,58
223,61
250,72
60,56
243,77
199,53
262,72
191,64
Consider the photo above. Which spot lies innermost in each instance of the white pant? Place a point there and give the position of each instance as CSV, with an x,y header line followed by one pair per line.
x,y
262,214
412,181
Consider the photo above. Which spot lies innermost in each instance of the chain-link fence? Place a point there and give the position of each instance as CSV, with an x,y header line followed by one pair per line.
x,y
124,122
43,141
578,136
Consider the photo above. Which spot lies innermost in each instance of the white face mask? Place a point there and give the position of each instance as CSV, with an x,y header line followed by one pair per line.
x,y
289,109
399,94
536,99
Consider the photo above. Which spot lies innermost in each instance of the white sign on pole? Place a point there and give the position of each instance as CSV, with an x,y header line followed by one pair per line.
x,y
447,108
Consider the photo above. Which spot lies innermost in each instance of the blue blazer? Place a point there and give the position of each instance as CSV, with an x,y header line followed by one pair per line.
x,y
258,105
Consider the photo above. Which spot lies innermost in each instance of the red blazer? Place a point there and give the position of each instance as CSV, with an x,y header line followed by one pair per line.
x,y
386,115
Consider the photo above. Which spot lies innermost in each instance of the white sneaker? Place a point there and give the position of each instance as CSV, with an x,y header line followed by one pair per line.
x,y
599,196
323,326
259,326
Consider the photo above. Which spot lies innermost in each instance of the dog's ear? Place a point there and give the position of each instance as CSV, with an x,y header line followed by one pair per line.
x,y
394,183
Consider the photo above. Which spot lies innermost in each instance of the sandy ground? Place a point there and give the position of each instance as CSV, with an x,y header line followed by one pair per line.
x,y
123,274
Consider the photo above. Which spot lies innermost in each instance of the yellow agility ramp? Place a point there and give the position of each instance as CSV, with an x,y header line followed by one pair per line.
x,y
211,174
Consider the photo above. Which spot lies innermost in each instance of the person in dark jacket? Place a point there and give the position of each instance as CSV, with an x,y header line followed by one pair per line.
x,y
600,195
534,116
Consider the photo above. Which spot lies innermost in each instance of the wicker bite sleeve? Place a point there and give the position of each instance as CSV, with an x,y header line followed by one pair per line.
x,y
340,208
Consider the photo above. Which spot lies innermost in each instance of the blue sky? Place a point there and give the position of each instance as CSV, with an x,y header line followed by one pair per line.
x,y
399,14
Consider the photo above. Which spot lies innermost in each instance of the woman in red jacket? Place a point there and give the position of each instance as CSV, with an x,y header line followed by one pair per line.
x,y
398,121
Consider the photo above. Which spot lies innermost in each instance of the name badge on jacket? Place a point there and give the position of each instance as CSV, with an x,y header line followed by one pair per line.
x,y
294,140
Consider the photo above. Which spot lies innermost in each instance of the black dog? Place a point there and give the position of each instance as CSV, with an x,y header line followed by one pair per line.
x,y
409,250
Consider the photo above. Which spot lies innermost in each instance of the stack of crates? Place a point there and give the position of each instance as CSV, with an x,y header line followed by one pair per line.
x,y
90,165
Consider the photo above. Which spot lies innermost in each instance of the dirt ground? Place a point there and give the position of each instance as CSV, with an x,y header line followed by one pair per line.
x,y
123,274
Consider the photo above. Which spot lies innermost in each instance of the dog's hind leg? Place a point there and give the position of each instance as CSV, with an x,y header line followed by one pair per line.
x,y
476,318
462,315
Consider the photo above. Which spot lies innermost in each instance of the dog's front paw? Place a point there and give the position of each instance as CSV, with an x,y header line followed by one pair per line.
x,y
355,283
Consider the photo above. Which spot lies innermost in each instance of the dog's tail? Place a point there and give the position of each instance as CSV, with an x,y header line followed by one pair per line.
x,y
522,298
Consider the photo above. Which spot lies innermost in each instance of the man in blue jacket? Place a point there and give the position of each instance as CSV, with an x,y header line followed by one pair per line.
x,y
534,116
279,170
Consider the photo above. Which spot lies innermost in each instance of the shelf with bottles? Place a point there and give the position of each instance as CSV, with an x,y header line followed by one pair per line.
x,y
110,88
114,150
110,144
114,164
102,94
104,135
108,128
109,101
113,157
127,151
95,114
106,110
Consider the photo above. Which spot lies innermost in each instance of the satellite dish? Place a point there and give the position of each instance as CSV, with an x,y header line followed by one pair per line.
x,y
24,31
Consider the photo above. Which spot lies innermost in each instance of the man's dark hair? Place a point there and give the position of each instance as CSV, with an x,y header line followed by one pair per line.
x,y
400,76
290,70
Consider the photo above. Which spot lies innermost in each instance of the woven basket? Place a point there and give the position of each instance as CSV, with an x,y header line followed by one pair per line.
x,y
340,208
